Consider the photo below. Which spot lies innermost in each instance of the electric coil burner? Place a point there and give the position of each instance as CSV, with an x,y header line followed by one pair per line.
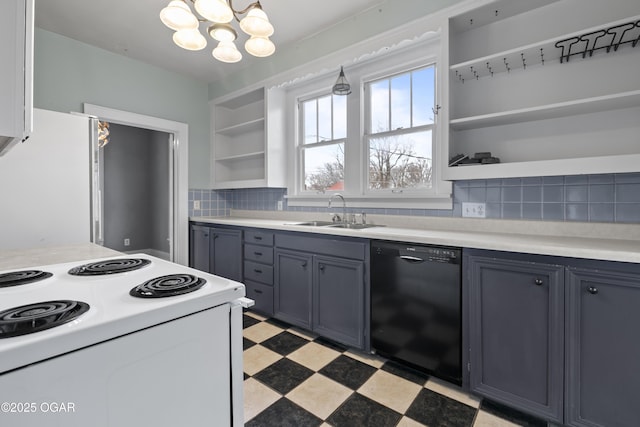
x,y
168,286
39,316
111,266
23,277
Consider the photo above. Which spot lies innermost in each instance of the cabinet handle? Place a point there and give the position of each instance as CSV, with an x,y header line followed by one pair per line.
x,y
304,264
257,253
538,282
257,291
321,267
592,290
206,235
257,237
257,270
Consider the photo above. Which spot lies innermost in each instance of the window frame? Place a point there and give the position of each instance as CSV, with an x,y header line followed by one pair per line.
x,y
301,146
368,135
356,181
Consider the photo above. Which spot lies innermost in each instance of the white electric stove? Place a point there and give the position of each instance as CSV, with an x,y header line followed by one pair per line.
x,y
121,341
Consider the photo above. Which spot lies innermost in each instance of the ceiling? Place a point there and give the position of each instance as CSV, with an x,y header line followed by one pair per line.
x,y
133,29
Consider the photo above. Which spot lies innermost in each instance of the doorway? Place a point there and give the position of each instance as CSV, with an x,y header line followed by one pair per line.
x,y
172,224
135,187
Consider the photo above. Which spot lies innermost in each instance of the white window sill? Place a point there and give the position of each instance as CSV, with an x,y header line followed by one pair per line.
x,y
381,202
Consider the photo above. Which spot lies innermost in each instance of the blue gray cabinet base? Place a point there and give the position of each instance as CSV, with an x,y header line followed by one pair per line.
x,y
555,337
216,250
321,284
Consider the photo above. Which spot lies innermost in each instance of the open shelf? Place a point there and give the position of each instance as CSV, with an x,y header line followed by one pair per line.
x,y
245,156
604,38
241,128
561,109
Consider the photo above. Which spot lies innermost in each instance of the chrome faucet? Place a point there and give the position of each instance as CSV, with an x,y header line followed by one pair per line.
x,y
344,208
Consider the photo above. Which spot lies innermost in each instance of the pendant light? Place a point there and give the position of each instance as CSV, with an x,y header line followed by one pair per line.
x,y
219,14
342,86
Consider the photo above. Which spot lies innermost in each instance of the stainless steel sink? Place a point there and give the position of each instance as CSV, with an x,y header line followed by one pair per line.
x,y
353,226
331,224
315,223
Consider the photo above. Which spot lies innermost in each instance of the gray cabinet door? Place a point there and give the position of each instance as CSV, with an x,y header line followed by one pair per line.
x,y
292,287
516,334
603,348
338,299
226,253
200,247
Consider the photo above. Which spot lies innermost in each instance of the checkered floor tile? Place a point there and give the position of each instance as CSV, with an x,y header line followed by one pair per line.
x,y
293,378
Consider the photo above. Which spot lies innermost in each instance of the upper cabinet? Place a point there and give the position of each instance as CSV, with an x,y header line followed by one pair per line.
x,y
248,140
16,72
550,87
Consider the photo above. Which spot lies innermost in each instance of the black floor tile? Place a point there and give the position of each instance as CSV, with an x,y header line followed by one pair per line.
x,y
435,410
248,321
331,344
247,343
284,413
284,343
510,414
405,372
359,410
284,375
278,323
348,372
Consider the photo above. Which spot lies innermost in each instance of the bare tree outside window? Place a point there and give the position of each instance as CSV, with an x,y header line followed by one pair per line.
x,y
395,163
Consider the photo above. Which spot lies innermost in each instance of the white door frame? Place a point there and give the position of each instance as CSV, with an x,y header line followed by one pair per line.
x,y
179,213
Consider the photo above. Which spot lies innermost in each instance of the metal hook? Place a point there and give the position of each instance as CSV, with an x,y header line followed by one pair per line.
x,y
614,32
565,45
542,56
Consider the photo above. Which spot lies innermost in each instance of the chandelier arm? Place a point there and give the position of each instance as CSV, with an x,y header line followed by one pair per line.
x,y
243,11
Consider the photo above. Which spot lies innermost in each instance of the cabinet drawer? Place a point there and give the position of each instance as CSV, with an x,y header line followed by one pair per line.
x,y
259,272
345,248
262,295
257,253
258,237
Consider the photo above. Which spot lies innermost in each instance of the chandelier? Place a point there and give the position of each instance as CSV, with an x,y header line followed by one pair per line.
x,y
219,14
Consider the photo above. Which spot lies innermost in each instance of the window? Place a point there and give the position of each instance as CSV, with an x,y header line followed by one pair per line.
x,y
324,132
399,134
379,146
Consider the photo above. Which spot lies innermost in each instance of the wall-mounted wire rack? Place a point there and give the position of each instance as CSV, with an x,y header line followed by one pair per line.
x,y
584,44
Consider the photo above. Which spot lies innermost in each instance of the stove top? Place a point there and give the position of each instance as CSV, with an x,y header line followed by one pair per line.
x,y
39,316
16,278
105,307
110,266
168,286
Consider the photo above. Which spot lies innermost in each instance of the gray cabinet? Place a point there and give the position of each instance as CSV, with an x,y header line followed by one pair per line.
x,y
338,299
258,269
320,285
516,332
217,250
603,346
199,242
294,277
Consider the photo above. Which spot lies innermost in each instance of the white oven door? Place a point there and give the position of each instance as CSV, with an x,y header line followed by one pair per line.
x,y
174,374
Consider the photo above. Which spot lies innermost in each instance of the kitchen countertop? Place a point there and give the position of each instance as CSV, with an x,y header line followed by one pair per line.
x,y
25,258
612,242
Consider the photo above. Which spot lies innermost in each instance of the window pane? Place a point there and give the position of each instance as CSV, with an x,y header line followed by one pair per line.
x,y
401,102
324,119
379,102
423,96
400,161
339,117
310,124
324,167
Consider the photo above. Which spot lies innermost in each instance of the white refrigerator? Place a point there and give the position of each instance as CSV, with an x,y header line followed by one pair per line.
x,y
45,184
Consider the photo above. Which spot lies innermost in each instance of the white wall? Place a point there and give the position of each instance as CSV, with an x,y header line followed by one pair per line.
x,y
44,184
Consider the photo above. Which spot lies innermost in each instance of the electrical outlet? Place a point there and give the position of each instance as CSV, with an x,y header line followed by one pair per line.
x,y
280,207
127,242
474,210
196,205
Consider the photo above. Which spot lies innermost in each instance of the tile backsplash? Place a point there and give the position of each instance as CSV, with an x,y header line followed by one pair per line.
x,y
585,198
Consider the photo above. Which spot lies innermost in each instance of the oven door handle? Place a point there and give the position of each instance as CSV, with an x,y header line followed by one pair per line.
x,y
413,259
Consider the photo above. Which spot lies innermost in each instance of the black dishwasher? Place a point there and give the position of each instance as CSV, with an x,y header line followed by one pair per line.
x,y
416,306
